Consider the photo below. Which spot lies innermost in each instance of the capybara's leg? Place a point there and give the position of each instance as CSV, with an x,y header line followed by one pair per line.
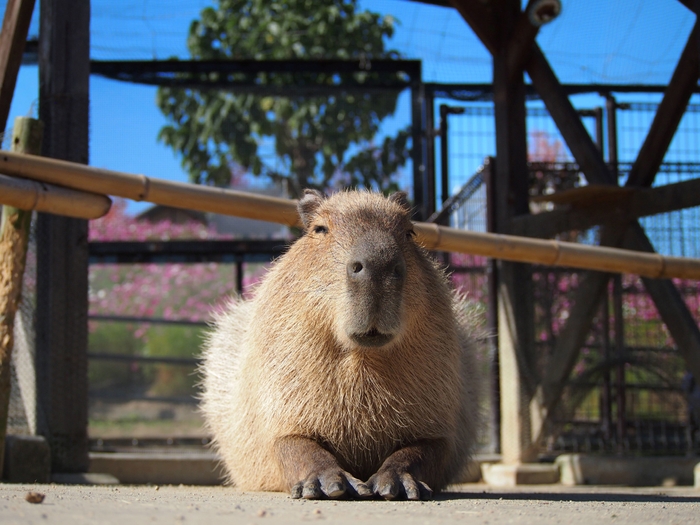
x,y
312,472
411,471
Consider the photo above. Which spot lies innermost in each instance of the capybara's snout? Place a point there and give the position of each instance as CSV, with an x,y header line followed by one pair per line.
x,y
376,273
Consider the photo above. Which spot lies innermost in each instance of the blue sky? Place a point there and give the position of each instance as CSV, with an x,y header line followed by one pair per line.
x,y
626,41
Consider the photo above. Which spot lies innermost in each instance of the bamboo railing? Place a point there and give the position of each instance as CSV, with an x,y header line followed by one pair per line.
x,y
229,202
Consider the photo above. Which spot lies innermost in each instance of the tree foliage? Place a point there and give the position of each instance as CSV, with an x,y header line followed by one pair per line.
x,y
320,140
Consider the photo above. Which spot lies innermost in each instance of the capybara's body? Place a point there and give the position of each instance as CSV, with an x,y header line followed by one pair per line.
x,y
350,371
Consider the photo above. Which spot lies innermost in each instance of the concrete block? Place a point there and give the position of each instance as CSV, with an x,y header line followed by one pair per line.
x,y
697,476
159,468
84,478
504,475
652,471
27,459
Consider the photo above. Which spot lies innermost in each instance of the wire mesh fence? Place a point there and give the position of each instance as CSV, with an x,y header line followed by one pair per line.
x,y
629,390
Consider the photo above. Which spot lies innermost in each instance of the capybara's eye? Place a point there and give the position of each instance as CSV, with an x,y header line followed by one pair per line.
x,y
319,228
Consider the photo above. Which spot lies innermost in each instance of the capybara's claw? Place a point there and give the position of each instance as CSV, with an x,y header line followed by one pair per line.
x,y
393,485
312,489
296,490
331,484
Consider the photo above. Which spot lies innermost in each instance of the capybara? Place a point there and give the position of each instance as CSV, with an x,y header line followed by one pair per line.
x,y
350,373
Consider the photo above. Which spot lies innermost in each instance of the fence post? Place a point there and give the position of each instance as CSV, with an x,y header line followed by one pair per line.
x,y
14,236
62,251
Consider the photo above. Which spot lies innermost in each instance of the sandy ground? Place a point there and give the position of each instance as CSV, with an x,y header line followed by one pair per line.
x,y
473,504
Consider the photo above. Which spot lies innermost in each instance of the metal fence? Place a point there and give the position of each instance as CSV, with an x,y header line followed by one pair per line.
x,y
629,390
626,392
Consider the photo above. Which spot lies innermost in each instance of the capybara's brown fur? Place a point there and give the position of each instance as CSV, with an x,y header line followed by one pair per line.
x,y
350,372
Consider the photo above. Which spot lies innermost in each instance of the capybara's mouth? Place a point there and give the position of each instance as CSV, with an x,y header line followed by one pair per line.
x,y
373,338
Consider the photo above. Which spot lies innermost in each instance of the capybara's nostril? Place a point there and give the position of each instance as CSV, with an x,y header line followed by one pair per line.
x,y
399,271
355,269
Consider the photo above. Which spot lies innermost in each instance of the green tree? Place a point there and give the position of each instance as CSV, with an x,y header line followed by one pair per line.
x,y
319,140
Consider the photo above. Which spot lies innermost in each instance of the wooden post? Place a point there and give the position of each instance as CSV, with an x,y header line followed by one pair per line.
x,y
14,236
515,300
62,255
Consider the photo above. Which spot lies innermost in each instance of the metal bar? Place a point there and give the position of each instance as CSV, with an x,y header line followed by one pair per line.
x,y
185,400
444,156
611,110
159,252
620,401
429,159
418,139
182,361
606,391
492,312
478,91
172,67
148,320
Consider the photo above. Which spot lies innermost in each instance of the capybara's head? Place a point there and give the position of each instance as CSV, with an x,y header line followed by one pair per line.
x,y
362,250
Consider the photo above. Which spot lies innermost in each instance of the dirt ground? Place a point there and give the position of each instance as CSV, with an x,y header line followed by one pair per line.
x,y
473,504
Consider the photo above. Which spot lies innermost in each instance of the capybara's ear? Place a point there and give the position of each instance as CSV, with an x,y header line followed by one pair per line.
x,y
308,205
401,198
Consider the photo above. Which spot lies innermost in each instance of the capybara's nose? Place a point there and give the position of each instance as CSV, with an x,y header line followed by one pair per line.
x,y
363,270
377,265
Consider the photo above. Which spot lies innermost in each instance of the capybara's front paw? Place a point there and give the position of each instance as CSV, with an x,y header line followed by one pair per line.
x,y
330,483
390,483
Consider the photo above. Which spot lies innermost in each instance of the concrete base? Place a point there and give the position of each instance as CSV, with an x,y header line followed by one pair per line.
x,y
159,468
502,475
27,459
581,469
697,476
84,478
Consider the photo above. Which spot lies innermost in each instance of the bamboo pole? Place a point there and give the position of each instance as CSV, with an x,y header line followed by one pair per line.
x,y
283,211
14,237
30,195
142,188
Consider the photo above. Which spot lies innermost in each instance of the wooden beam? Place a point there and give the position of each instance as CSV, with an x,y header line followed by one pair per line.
x,y
546,83
520,42
668,116
480,18
670,304
567,119
640,202
518,378
62,254
592,164
15,27
586,302
690,4
14,239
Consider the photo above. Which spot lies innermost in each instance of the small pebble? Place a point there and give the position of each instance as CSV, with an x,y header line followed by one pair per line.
x,y
34,497
317,511
262,513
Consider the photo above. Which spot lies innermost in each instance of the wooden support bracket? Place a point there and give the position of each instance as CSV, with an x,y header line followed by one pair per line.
x,y
577,211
